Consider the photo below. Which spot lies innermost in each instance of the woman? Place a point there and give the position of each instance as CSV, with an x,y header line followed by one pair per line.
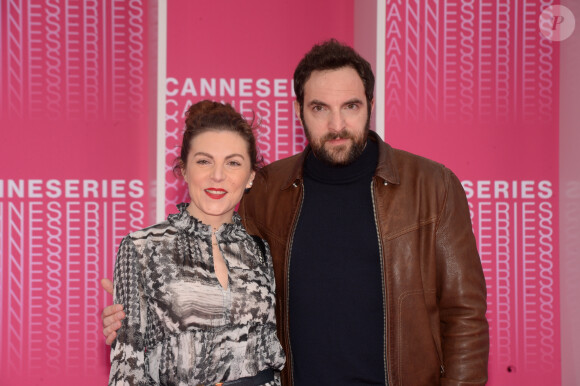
x,y
197,289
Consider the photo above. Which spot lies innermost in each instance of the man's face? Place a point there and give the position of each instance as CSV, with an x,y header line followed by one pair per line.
x,y
335,115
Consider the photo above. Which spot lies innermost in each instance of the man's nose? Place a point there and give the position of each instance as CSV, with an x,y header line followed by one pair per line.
x,y
336,121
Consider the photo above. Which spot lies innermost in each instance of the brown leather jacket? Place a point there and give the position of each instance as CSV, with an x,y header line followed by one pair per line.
x,y
433,285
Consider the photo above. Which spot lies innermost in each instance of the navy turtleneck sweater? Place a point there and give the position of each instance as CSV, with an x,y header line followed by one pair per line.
x,y
336,292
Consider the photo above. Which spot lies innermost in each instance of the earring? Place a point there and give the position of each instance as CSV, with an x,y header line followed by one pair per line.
x,y
251,183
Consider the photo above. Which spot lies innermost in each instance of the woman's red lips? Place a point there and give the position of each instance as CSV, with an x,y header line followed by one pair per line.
x,y
215,193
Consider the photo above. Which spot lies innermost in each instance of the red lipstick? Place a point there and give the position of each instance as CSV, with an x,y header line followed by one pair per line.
x,y
215,193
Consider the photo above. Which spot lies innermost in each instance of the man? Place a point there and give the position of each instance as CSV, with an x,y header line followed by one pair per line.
x,y
377,273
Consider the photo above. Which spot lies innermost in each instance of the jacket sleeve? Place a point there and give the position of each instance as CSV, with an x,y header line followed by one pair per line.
x,y
461,293
128,351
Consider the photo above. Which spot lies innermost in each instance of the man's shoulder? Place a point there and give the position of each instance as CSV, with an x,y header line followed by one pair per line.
x,y
288,163
413,167
270,182
420,175
406,159
281,171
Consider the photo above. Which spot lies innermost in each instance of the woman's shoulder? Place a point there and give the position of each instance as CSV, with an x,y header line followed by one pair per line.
x,y
160,227
160,230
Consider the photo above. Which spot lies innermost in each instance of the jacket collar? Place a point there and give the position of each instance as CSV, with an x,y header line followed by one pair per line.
x,y
386,167
296,172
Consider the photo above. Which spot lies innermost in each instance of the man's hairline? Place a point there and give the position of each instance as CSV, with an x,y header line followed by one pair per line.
x,y
301,104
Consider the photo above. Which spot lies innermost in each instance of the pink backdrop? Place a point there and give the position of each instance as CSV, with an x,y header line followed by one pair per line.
x,y
473,85
252,68
76,176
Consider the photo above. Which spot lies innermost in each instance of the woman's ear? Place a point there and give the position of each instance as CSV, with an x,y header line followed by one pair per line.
x,y
182,170
251,180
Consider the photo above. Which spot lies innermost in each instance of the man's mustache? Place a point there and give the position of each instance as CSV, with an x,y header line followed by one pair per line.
x,y
343,134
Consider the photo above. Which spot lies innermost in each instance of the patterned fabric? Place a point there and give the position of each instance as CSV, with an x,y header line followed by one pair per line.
x,y
182,327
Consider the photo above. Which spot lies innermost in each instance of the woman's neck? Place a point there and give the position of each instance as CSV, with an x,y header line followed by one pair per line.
x,y
213,221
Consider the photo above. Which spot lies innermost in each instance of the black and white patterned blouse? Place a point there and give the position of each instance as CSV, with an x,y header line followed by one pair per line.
x,y
182,327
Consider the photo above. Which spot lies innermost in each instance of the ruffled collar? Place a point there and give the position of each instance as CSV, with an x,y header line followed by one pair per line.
x,y
185,222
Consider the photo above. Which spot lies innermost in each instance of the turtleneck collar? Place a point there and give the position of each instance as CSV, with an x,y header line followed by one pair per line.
x,y
363,167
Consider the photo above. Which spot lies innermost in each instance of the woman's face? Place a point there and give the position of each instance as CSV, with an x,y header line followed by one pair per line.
x,y
217,170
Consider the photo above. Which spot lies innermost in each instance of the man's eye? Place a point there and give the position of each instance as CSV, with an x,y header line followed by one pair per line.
x,y
352,106
317,108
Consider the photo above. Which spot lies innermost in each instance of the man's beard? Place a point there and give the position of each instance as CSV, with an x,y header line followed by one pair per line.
x,y
340,156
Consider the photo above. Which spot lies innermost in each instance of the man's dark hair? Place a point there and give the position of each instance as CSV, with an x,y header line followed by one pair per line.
x,y
332,55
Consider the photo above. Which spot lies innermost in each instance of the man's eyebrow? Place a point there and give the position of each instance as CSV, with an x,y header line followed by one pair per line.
x,y
353,101
317,102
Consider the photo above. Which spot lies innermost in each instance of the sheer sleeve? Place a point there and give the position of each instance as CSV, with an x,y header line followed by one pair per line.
x,y
276,353
128,350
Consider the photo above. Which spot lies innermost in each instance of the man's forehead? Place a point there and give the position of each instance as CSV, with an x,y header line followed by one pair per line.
x,y
341,72
342,83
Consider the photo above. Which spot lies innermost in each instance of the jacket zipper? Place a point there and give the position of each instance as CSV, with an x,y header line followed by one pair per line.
x,y
288,281
383,284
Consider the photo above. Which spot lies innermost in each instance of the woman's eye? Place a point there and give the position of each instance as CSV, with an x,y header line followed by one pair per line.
x,y
202,162
235,163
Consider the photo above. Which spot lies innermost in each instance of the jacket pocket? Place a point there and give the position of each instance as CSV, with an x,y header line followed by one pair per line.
x,y
418,359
